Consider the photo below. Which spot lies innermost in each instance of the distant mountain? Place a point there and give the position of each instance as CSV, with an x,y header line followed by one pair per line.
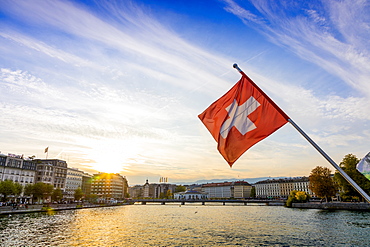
x,y
249,180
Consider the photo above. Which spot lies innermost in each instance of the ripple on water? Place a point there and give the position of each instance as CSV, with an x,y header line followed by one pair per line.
x,y
188,225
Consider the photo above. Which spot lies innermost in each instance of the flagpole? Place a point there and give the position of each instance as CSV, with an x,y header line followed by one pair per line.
x,y
47,152
339,169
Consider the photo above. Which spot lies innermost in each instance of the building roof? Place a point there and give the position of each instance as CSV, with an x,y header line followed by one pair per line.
x,y
217,184
236,183
283,180
192,192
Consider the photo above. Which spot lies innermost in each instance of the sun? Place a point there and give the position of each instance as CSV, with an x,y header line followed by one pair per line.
x,y
111,155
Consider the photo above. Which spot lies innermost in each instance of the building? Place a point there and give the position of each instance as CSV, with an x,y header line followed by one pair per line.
x,y
16,168
196,187
281,188
191,195
218,190
109,186
52,171
158,190
136,191
238,189
241,190
73,182
86,184
45,173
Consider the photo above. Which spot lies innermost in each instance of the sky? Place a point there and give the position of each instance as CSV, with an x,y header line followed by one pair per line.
x,y
117,86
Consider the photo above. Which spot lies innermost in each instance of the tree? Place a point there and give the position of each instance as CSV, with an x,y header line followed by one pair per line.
x,y
168,194
348,165
42,190
253,192
28,189
161,195
7,188
321,183
57,195
301,196
92,198
78,194
296,196
180,188
18,188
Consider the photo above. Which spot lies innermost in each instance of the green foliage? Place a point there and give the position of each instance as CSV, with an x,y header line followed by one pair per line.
x,y
162,195
18,188
28,189
253,192
42,190
301,196
321,183
296,196
78,194
168,194
348,165
92,198
57,195
8,187
180,188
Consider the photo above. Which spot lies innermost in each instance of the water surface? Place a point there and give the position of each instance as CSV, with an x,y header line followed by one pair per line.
x,y
187,225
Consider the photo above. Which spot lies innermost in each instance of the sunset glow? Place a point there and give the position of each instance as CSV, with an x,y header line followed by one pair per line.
x,y
117,86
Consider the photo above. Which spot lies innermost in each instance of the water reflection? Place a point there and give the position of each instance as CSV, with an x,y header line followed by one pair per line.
x,y
187,225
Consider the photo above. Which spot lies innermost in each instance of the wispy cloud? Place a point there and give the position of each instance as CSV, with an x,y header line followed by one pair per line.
x,y
120,36
109,83
99,87
330,34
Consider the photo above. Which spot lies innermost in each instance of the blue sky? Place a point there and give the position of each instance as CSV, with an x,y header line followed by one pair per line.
x,y
117,86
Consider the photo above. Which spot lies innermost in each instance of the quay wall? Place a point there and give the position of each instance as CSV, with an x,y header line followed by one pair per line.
x,y
334,206
5,210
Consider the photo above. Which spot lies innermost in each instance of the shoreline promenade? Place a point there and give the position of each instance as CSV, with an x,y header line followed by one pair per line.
x,y
37,208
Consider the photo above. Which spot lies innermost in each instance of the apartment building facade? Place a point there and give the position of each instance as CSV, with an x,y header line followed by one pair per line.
x,y
73,182
281,188
52,171
238,189
109,186
17,168
157,190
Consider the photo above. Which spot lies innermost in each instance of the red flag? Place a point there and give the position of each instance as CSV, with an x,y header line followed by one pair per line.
x,y
242,117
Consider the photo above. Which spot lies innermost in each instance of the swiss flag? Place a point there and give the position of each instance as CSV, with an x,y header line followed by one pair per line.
x,y
242,117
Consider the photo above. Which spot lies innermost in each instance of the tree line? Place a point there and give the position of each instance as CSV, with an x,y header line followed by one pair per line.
x,y
38,191
326,186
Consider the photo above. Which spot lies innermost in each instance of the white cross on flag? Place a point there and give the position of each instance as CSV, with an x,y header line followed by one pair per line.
x,y
364,166
242,117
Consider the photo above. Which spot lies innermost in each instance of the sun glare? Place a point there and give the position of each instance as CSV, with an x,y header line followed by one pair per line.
x,y
110,155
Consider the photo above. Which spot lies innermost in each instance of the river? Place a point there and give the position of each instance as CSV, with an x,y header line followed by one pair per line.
x,y
187,225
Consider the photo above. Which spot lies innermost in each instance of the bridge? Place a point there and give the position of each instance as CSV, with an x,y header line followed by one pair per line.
x,y
246,202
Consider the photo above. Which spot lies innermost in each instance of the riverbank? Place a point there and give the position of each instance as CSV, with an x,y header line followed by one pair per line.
x,y
353,206
6,210
357,206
